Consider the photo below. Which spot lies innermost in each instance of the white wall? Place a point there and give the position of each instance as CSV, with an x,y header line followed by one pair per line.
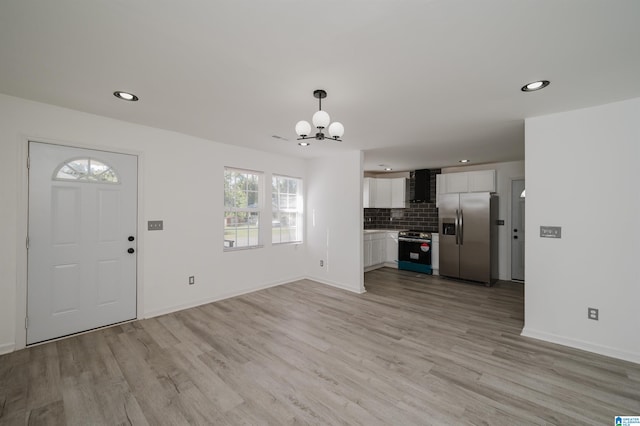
x,y
583,175
505,173
181,183
334,221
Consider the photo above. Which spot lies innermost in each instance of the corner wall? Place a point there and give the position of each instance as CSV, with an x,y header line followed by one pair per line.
x,y
583,175
334,221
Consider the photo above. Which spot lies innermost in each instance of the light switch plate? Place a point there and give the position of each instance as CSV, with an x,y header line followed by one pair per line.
x,y
551,232
154,225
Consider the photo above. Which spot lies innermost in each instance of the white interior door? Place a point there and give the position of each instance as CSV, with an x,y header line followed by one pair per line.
x,y
517,229
82,240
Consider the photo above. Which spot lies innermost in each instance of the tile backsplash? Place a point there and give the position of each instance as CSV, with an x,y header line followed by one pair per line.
x,y
422,216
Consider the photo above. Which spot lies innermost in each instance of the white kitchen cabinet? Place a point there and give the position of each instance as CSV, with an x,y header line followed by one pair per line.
x,y
398,193
456,182
368,192
366,249
435,253
473,181
378,250
384,193
392,249
374,249
482,181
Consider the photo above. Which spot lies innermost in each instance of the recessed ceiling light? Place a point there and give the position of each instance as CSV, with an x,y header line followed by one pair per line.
x,y
463,161
387,169
125,96
304,143
535,85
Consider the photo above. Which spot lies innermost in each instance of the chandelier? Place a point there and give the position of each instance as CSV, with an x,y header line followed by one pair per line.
x,y
320,121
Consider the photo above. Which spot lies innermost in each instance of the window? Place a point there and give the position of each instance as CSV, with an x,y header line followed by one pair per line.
x,y
86,170
242,200
286,205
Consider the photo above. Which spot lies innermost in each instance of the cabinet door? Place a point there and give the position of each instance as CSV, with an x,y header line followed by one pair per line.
x,y
378,250
383,194
368,192
456,182
482,181
392,247
367,252
398,193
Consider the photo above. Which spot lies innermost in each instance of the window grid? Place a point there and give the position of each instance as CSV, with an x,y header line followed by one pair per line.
x,y
87,170
242,191
287,206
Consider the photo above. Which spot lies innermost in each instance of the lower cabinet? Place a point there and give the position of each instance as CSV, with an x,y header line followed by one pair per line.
x,y
380,249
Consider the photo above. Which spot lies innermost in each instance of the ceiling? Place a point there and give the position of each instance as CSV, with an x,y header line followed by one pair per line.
x,y
416,83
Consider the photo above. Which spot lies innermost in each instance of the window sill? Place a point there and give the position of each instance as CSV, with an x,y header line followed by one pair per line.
x,y
226,249
288,243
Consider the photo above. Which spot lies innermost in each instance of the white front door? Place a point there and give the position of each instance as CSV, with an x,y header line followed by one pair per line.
x,y
81,241
517,229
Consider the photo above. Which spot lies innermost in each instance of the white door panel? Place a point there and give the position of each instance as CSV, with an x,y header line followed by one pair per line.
x,y
80,275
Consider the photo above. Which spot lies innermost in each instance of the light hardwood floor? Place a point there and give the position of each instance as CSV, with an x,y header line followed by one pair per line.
x,y
414,349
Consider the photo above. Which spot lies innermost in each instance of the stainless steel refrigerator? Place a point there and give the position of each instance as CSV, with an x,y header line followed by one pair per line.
x,y
469,236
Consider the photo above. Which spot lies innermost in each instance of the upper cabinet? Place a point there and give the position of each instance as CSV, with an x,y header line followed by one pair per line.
x,y
482,181
368,192
398,193
384,193
474,181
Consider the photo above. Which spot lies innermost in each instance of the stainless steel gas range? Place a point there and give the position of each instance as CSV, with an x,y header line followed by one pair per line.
x,y
414,251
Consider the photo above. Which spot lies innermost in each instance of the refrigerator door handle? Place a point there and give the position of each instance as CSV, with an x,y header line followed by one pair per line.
x,y
461,228
456,230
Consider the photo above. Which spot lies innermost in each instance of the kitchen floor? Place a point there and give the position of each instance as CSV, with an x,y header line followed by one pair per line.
x,y
414,349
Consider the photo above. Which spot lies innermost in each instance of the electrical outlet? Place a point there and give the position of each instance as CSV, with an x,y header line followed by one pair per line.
x,y
192,280
321,263
592,313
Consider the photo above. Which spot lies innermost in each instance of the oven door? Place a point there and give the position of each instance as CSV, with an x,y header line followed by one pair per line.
x,y
414,250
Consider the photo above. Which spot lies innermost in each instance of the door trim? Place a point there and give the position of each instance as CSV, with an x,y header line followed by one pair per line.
x,y
509,213
22,218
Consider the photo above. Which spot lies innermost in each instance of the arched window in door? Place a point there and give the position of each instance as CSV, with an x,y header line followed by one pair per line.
x,y
86,170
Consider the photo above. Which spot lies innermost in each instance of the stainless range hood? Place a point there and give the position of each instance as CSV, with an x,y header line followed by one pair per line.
x,y
420,186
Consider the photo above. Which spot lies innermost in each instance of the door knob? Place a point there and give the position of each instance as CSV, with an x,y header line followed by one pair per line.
x,y
131,238
130,250
515,237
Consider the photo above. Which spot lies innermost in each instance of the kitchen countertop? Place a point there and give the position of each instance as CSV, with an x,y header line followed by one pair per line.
x,y
373,231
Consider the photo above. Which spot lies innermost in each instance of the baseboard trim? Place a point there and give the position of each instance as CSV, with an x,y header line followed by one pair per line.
x,y
5,348
580,344
337,285
200,302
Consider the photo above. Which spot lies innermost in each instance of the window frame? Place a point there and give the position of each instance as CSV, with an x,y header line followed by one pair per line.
x,y
88,177
299,210
257,210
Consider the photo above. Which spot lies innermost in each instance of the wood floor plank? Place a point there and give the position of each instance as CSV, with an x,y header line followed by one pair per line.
x,y
413,349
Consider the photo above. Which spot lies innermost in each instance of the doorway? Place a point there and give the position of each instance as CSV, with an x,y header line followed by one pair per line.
x,y
82,230
517,229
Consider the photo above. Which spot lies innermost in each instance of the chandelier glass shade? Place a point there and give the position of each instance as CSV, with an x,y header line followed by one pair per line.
x,y
320,121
